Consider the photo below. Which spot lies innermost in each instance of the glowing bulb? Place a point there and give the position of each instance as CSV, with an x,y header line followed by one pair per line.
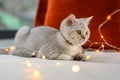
x,y
12,47
88,57
100,33
29,64
33,54
97,51
75,68
36,73
102,46
108,17
58,64
43,56
27,61
6,49
96,42
102,36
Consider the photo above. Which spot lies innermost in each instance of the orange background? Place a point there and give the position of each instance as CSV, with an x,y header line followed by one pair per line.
x,y
52,12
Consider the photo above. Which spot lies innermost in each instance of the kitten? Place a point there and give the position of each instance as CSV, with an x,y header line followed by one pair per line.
x,y
53,44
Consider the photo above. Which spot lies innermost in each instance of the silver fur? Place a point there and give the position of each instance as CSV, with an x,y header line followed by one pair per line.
x,y
53,43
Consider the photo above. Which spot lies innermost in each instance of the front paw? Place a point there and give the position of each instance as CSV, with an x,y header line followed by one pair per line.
x,y
64,57
80,57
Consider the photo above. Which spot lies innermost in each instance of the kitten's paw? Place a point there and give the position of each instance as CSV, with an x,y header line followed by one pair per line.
x,y
84,58
64,57
80,57
22,53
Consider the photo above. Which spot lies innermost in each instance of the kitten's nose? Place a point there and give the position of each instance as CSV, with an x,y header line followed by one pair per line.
x,y
83,36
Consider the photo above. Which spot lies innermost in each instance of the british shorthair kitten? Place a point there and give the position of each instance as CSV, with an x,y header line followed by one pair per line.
x,y
53,44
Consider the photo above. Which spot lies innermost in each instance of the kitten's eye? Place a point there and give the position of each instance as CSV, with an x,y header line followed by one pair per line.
x,y
86,33
78,31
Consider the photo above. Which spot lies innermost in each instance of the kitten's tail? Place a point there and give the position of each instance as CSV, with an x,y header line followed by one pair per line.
x,y
23,33
21,36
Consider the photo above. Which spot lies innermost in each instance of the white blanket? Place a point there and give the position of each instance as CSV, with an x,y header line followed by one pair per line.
x,y
104,66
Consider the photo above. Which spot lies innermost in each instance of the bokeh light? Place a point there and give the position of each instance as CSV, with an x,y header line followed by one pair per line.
x,y
75,68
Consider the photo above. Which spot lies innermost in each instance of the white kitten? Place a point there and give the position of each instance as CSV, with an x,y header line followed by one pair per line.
x,y
53,44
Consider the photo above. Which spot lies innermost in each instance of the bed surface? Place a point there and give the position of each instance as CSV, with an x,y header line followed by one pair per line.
x,y
103,66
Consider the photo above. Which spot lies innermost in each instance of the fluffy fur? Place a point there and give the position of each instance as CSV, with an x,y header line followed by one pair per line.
x,y
63,45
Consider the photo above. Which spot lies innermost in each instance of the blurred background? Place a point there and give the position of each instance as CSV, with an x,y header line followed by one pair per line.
x,y
16,13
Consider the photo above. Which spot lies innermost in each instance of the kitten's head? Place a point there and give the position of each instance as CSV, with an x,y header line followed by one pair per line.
x,y
75,30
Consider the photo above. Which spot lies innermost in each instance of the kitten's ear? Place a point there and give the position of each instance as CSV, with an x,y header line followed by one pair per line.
x,y
87,20
70,19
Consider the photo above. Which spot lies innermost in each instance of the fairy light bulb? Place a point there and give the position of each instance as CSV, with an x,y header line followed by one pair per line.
x,y
103,23
88,57
27,61
75,68
96,42
108,17
97,51
33,54
102,46
6,49
58,64
43,56
12,47
102,36
29,64
36,73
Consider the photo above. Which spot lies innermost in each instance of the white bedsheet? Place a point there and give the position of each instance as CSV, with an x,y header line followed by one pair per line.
x,y
104,66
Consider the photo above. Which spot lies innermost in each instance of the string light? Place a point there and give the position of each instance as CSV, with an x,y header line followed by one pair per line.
x,y
100,33
27,61
102,45
96,43
6,49
75,68
12,47
108,17
103,23
88,57
97,51
58,64
36,73
29,64
33,54
102,36
43,56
